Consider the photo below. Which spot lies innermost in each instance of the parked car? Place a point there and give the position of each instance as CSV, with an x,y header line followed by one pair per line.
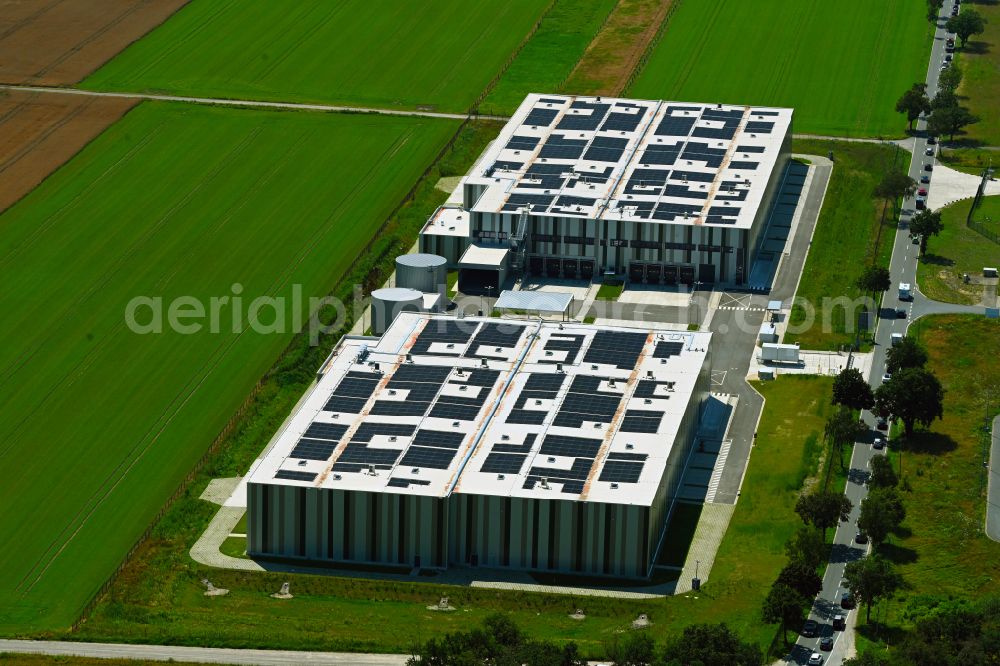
x,y
948,57
861,538
925,179
846,600
839,623
931,140
826,643
882,423
921,203
815,659
900,313
878,446
886,377
929,151
810,629
922,191
928,167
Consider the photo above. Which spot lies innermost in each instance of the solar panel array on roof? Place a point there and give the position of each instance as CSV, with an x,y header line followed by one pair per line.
x,y
551,100
666,210
507,458
568,201
695,176
313,449
667,348
420,382
759,127
539,387
398,482
615,348
624,122
731,190
571,480
750,149
294,475
584,122
501,165
684,192
743,164
522,142
539,202
559,147
491,335
647,388
702,152
465,408
586,402
549,176
541,117
675,126
618,471
570,447
357,455
606,149
641,421
353,392
445,331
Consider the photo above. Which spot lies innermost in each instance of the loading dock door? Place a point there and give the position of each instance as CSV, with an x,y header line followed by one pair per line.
x,y
535,266
687,274
569,268
587,269
706,273
636,272
552,267
670,274
653,273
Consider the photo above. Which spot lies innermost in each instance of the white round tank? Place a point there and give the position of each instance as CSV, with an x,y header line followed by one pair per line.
x,y
423,272
387,303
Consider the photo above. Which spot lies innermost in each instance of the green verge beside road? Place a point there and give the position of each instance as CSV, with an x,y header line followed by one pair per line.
x,y
158,598
173,202
549,56
957,250
942,550
980,63
354,52
849,236
792,53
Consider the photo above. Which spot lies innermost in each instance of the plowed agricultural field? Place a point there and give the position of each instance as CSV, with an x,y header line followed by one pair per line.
x,y
40,131
100,422
56,42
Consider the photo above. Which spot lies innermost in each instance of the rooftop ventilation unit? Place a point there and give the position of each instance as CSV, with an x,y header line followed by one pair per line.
x,y
544,482
337,477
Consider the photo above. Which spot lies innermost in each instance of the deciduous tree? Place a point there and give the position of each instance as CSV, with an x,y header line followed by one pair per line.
x,y
851,389
808,547
949,120
882,512
950,78
926,223
914,102
823,510
882,473
968,23
870,579
711,645
784,605
907,353
843,429
913,395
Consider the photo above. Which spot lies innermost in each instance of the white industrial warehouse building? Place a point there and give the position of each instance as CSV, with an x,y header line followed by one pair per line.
x,y
462,442
577,187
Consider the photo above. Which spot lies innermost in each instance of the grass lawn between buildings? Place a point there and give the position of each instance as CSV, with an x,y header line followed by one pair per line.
x,y
158,597
353,52
957,250
942,549
844,241
793,54
173,202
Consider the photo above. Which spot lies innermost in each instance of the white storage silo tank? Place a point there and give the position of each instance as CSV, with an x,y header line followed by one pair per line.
x,y
423,272
387,303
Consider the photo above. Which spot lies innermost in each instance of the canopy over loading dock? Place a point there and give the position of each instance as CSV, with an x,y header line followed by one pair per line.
x,y
535,301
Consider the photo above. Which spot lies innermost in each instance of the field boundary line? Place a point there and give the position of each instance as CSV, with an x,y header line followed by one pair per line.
x,y
657,38
251,103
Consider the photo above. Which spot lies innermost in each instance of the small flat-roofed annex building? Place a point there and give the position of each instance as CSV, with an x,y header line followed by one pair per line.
x,y
665,192
522,444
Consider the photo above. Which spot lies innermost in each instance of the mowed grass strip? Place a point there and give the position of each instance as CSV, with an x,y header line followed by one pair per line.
x,y
957,250
840,65
395,53
99,423
849,236
550,55
158,598
980,63
943,549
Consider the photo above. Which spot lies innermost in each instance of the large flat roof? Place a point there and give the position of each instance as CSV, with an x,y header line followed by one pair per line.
x,y
626,159
492,406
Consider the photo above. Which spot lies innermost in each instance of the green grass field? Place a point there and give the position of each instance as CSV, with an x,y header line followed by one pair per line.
x,y
101,424
980,63
943,550
549,56
353,52
158,599
844,239
957,250
840,65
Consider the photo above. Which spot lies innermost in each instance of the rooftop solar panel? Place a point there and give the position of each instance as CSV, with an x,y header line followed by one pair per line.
x,y
294,475
674,126
522,142
570,447
503,463
743,164
618,471
641,421
424,456
615,348
622,122
397,482
668,348
541,117
332,431
313,449
759,127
